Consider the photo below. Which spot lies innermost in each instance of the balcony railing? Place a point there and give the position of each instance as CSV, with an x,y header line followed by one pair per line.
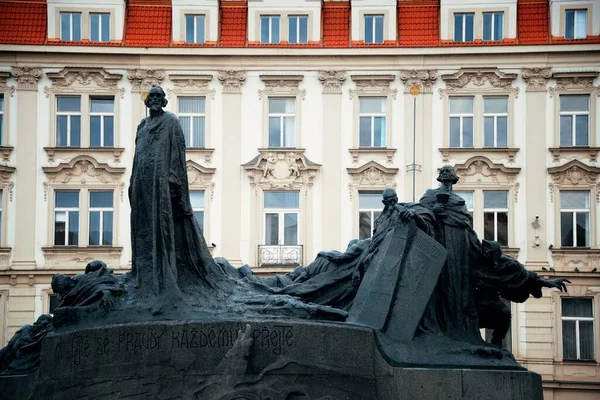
x,y
269,255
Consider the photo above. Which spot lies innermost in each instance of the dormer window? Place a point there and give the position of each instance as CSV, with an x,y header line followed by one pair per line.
x,y
298,29
373,29
99,27
464,27
269,29
194,28
493,23
575,24
70,26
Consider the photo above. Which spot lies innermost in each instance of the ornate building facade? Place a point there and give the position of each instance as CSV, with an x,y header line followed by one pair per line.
x,y
296,117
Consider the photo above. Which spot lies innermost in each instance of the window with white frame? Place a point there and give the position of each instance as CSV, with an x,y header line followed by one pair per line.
x,y
468,197
374,29
461,121
102,121
195,28
574,218
369,209
70,26
281,210
298,29
495,122
68,121
197,200
282,122
1,215
101,212
269,29
575,24
192,116
99,27
495,216
493,25
577,328
372,121
464,28
574,117
66,218
1,119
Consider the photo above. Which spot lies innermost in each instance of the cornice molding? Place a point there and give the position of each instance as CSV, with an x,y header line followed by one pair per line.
x,y
84,77
27,77
536,78
232,80
282,84
423,79
332,81
372,84
143,79
479,80
576,81
192,84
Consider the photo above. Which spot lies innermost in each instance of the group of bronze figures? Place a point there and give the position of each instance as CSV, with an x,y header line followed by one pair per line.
x,y
424,263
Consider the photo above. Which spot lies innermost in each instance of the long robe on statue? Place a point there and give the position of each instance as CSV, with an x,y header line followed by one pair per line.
x,y
169,251
452,309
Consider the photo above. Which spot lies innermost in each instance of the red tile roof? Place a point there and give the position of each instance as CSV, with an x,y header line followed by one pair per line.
x,y
336,24
234,20
148,23
532,21
23,22
418,23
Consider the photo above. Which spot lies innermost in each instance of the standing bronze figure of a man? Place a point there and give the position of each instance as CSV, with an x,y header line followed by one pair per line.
x,y
168,249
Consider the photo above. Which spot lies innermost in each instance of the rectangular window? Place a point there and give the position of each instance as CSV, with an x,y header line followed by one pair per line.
x,y
281,218
66,218
464,30
269,29
495,217
576,24
373,28
192,116
372,114
1,119
194,28
574,218
369,209
577,328
70,26
68,121
574,117
461,121
282,122
493,24
100,27
102,122
468,198
495,122
298,29
197,200
101,218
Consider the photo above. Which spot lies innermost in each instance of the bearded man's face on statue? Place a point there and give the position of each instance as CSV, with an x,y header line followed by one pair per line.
x,y
155,100
447,174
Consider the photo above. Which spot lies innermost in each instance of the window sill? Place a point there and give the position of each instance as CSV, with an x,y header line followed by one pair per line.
x,y
77,257
372,151
62,152
490,152
205,152
575,152
6,152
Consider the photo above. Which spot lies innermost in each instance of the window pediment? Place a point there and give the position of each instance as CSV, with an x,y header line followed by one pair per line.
x,y
480,171
371,175
574,81
474,80
83,170
282,84
372,85
574,174
84,79
191,84
4,86
200,177
6,179
281,169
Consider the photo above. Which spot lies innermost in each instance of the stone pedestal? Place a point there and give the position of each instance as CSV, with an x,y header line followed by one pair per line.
x,y
270,359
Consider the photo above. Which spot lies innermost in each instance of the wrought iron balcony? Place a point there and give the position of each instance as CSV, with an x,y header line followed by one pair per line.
x,y
269,255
